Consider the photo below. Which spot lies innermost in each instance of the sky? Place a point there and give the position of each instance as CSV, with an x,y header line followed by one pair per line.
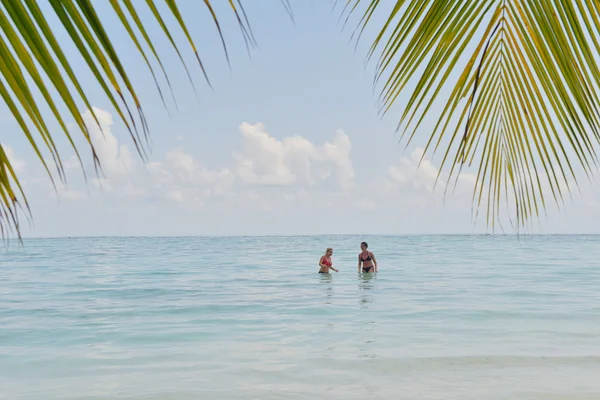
x,y
289,142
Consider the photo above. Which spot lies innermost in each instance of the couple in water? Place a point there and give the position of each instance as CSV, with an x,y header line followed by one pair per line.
x,y
366,260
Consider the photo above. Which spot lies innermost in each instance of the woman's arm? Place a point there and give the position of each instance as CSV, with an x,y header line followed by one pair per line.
x,y
359,263
374,261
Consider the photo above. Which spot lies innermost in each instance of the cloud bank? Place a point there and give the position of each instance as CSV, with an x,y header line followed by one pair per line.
x,y
269,180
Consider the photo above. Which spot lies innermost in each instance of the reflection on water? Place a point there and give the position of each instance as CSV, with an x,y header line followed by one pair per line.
x,y
366,282
368,328
327,280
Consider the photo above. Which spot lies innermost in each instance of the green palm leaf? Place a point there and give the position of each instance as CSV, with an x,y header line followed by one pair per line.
x,y
523,110
29,52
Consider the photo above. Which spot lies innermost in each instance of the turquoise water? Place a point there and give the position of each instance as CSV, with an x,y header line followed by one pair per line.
x,y
447,317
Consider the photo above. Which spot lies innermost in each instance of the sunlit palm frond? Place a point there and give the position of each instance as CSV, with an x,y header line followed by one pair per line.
x,y
523,107
35,73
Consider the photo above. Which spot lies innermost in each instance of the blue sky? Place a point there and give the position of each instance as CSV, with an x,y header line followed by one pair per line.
x,y
289,142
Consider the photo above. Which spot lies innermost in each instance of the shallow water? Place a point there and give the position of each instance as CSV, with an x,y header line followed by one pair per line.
x,y
447,317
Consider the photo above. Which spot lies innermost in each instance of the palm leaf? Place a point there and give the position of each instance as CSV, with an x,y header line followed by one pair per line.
x,y
523,109
30,53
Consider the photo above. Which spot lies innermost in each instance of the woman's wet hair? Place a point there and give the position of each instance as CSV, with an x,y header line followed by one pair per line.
x,y
328,250
365,244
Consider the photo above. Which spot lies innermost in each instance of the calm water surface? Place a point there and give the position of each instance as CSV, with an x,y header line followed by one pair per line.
x,y
454,317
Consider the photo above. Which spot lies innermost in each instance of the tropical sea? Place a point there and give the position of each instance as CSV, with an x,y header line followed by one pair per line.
x,y
446,317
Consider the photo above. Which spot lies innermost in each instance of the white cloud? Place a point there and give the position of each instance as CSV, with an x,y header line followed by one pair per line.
x,y
280,177
115,159
180,178
264,171
264,160
186,169
63,191
17,164
294,166
408,174
338,153
418,175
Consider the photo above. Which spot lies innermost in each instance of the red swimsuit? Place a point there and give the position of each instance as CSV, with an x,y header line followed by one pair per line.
x,y
326,262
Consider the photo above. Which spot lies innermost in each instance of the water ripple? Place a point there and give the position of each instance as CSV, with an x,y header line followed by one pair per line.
x,y
455,317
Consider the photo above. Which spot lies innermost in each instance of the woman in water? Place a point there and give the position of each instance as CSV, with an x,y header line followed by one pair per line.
x,y
366,259
325,262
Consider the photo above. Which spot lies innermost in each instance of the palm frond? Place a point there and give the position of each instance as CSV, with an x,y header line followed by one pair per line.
x,y
523,109
30,53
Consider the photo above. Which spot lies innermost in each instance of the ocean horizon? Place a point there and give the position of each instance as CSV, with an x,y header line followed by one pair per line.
x,y
275,235
448,316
